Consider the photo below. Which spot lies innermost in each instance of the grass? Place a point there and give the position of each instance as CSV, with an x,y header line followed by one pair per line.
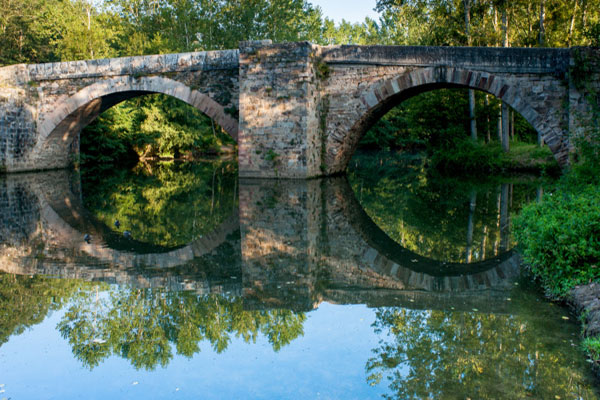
x,y
591,345
477,157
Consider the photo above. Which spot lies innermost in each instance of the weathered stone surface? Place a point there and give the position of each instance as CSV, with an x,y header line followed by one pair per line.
x,y
302,108
586,300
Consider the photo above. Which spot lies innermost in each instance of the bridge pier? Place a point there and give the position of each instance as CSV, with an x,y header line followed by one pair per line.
x,y
280,135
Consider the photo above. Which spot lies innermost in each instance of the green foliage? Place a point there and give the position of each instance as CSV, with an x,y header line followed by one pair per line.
x,y
560,237
591,345
153,201
441,22
436,354
429,214
26,300
271,156
466,156
145,326
150,126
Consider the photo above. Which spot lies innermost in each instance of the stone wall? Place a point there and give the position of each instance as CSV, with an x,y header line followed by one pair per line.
x,y
367,81
584,90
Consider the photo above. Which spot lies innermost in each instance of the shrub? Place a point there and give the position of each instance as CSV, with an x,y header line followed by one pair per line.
x,y
465,155
559,238
591,345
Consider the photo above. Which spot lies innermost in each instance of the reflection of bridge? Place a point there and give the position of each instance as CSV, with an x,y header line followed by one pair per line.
x,y
299,243
301,120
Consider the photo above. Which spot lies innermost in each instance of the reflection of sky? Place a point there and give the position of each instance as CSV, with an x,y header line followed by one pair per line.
x,y
327,362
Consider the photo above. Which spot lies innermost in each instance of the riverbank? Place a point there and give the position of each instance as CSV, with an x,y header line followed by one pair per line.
x,y
585,301
476,157
559,239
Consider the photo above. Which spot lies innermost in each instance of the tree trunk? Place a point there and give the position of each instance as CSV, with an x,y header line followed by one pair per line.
x,y
572,24
473,122
504,108
512,125
505,128
504,220
500,126
472,115
542,37
504,27
470,225
487,118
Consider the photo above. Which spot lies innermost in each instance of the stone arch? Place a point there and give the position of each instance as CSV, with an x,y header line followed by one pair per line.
x,y
384,95
73,113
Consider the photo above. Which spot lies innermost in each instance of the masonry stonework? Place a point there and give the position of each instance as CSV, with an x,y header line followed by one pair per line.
x,y
302,108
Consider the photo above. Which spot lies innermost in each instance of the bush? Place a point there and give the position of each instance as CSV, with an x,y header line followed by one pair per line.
x,y
559,238
591,345
465,155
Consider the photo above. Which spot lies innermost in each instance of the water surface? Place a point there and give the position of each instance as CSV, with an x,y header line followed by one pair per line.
x,y
389,284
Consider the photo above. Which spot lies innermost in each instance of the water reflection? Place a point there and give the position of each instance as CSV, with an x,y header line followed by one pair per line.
x,y
448,219
258,270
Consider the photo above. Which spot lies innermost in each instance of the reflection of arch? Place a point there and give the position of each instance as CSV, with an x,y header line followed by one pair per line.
x,y
316,234
74,113
383,96
389,259
67,221
98,249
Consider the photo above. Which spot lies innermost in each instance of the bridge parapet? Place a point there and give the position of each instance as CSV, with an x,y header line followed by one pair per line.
x,y
139,65
489,59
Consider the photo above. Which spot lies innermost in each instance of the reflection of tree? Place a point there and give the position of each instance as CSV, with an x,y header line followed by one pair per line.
x,y
25,301
166,204
142,325
437,217
446,355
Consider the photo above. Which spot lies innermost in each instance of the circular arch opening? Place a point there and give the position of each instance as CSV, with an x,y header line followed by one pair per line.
x,y
481,207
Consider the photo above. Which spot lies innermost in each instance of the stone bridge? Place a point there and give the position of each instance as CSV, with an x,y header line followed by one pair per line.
x,y
294,244
297,110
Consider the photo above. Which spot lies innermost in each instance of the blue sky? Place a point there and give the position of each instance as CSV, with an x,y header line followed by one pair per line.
x,y
350,10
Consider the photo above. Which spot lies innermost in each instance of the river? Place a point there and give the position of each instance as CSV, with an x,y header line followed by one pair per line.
x,y
390,282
